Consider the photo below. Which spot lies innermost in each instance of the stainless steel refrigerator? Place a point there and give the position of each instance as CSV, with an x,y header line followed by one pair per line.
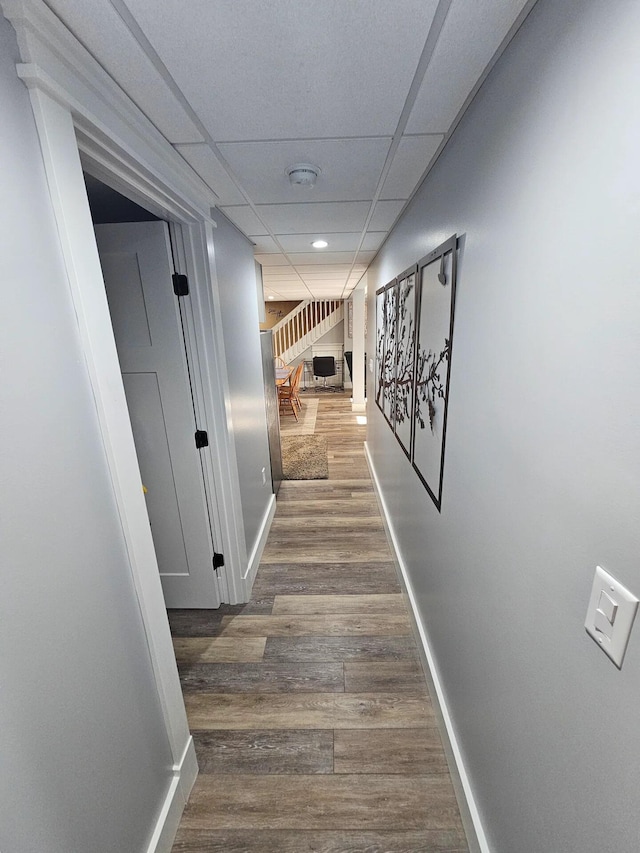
x,y
272,407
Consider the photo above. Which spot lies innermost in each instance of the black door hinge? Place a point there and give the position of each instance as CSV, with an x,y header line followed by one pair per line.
x,y
180,284
202,438
218,560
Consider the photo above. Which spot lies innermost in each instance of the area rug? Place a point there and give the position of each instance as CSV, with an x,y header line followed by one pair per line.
x,y
306,423
304,457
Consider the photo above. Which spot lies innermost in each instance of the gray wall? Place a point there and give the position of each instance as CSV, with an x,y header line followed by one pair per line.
x,y
543,458
236,271
85,759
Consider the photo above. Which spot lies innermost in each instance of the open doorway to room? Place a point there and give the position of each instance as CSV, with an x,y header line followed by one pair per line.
x,y
151,316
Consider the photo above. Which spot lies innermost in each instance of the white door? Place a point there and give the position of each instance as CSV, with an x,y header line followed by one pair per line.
x,y
146,317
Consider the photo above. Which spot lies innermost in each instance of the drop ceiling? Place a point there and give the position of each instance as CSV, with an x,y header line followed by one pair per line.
x,y
367,90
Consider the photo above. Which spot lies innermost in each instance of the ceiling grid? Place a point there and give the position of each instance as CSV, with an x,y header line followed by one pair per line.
x,y
367,91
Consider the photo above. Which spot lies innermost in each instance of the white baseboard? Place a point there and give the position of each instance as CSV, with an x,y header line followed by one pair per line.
x,y
358,407
261,541
462,785
166,827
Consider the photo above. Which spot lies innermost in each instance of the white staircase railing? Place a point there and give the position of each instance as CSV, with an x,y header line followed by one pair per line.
x,y
305,325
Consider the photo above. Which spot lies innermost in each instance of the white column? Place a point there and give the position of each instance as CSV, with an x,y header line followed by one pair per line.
x,y
359,307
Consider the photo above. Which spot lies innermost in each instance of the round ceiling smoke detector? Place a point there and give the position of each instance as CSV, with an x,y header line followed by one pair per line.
x,y
302,174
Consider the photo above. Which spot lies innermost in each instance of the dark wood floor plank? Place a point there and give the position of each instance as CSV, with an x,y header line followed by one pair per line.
x,y
335,522
322,489
268,677
321,802
204,623
327,625
312,580
314,605
340,649
308,711
406,751
380,677
361,541
219,649
327,579
265,752
329,568
297,841
366,506
344,553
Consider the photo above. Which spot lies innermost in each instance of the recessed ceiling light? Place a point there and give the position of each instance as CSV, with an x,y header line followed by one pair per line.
x,y
319,244
271,297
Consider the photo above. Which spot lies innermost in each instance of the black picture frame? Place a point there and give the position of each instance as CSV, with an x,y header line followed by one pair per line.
x,y
414,345
437,273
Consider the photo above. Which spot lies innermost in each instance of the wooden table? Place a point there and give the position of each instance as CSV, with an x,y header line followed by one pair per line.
x,y
282,375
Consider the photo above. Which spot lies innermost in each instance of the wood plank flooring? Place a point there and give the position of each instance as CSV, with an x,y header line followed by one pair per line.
x,y
312,723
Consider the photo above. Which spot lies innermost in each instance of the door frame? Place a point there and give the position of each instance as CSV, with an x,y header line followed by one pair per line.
x,y
84,120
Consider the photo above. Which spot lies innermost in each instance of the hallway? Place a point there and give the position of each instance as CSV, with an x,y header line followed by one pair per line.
x,y
312,724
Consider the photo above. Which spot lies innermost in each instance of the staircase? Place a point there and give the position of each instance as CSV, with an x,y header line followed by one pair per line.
x,y
304,326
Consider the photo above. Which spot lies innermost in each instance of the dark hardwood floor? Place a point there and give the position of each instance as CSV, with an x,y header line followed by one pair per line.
x,y
312,723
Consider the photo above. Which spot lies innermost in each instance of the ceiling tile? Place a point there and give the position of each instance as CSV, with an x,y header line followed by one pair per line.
x,y
373,239
273,260
345,242
264,245
328,258
325,273
366,257
350,168
280,273
409,164
246,220
298,292
310,218
471,35
385,215
291,68
313,269
122,57
326,287
202,159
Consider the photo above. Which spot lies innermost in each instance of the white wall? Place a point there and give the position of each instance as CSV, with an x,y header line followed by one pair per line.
x,y
333,336
236,273
85,758
542,465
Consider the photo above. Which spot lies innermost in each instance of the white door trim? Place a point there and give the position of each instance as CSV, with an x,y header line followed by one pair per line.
x,y
73,218
194,257
77,106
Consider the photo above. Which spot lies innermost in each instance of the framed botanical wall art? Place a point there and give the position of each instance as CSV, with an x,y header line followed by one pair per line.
x,y
437,282
386,332
390,352
405,357
379,357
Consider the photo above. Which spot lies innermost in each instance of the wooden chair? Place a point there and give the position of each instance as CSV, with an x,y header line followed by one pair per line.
x,y
279,362
297,380
288,394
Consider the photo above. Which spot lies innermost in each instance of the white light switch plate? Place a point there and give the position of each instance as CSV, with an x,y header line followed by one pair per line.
x,y
616,603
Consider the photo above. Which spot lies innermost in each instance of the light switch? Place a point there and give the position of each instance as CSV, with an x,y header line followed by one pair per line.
x,y
602,624
608,607
612,609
